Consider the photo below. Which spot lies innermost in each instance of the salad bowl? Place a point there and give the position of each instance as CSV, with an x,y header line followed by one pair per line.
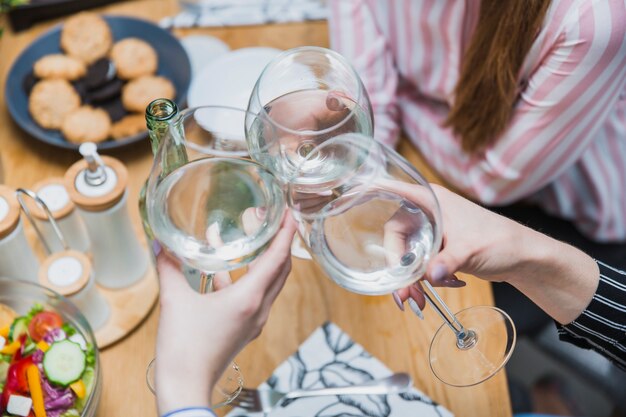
x,y
50,333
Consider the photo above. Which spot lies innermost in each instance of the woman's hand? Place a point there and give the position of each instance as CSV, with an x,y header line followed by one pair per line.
x,y
557,277
200,334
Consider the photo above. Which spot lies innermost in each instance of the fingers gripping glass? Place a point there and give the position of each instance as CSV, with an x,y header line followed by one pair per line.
x,y
210,209
373,223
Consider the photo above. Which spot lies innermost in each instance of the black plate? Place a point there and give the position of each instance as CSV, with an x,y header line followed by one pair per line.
x,y
173,64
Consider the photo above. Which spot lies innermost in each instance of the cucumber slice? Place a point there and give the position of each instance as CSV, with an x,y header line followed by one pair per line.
x,y
89,379
64,363
4,370
18,328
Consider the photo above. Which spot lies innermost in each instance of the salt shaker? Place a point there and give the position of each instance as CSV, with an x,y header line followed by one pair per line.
x,y
17,259
52,192
69,273
97,185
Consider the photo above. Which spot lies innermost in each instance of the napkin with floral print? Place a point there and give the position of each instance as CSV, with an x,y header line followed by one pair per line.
x,y
330,358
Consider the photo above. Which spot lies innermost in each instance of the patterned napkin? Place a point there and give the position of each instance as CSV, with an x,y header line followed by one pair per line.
x,y
330,358
247,12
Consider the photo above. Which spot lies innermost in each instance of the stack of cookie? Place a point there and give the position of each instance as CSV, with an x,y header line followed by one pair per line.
x,y
97,89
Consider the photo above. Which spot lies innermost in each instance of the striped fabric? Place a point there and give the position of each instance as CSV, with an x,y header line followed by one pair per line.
x,y
602,326
565,147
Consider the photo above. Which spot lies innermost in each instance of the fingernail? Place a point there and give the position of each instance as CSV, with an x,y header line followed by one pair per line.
x,y
156,247
334,103
453,283
261,212
416,309
439,273
396,298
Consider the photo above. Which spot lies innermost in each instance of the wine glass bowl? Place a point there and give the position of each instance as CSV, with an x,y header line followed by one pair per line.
x,y
306,95
349,219
215,214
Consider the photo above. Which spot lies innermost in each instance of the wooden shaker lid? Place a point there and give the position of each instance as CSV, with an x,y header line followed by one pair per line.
x,y
9,211
53,192
97,202
66,272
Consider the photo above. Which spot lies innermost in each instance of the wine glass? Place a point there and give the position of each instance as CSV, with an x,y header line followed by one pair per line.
x,y
308,95
213,210
373,223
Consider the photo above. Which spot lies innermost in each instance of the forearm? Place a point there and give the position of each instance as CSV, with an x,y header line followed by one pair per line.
x,y
557,277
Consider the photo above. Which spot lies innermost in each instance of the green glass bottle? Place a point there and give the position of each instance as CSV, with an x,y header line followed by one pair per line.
x,y
159,115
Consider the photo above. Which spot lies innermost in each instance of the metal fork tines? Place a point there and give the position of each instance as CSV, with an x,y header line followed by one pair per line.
x,y
266,400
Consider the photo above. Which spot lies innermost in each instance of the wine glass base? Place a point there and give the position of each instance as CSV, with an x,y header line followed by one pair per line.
x,y
226,390
481,357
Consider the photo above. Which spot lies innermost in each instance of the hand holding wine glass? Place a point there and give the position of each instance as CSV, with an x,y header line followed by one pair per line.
x,y
482,243
191,319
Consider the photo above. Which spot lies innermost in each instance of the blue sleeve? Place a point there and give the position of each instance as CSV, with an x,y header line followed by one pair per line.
x,y
191,412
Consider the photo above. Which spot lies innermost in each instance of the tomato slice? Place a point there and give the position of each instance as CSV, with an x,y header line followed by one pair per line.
x,y
42,323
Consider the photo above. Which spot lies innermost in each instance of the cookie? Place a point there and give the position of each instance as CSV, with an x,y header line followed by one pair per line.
x,y
133,58
86,124
50,101
59,66
129,126
106,92
7,315
99,73
86,36
138,93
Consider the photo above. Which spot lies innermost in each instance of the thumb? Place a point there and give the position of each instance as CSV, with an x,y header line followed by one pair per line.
x,y
440,272
171,278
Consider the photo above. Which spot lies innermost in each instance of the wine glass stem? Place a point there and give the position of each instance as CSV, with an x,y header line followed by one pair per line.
x,y
465,339
206,283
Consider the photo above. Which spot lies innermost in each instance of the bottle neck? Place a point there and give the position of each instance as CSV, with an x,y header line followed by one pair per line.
x,y
159,116
159,113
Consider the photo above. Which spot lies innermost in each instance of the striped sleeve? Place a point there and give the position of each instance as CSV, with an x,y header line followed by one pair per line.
x,y
602,326
191,412
355,33
563,104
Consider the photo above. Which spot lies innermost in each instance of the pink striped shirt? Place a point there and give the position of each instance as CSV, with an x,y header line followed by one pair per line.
x,y
565,146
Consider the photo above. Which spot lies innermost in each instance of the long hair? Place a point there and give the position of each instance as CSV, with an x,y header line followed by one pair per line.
x,y
487,88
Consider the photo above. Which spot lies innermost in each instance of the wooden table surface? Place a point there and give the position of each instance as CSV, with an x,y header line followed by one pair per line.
x,y
399,339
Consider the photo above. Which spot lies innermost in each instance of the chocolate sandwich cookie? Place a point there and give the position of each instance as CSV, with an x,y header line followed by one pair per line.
x,y
99,73
106,92
29,82
114,108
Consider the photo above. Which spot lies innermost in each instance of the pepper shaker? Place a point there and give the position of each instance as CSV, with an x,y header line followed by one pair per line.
x,y
53,193
97,185
17,259
69,273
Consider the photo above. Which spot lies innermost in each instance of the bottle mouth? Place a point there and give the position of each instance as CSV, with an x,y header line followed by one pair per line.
x,y
161,109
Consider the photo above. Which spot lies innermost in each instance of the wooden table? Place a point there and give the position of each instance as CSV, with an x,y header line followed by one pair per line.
x,y
400,340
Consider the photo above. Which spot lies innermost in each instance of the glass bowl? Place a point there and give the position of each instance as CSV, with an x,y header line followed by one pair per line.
x,y
22,295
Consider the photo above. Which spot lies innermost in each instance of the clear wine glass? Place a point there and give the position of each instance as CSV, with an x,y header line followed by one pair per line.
x,y
213,211
373,223
308,94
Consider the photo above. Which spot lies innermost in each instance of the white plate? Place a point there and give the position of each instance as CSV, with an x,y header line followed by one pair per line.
x,y
203,49
229,79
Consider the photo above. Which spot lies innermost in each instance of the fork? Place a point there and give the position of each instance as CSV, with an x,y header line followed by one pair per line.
x,y
267,399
